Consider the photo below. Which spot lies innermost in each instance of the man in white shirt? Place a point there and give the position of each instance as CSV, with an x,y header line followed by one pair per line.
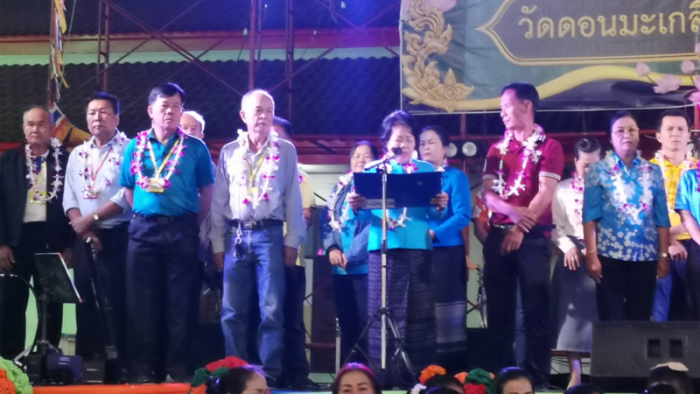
x,y
100,213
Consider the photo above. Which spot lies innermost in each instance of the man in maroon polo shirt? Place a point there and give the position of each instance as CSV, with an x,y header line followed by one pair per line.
x,y
522,170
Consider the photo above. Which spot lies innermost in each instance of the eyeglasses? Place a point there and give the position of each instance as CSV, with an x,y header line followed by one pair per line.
x,y
628,130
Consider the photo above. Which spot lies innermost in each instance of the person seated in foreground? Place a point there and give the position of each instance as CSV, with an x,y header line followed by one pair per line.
x,y
248,379
674,374
513,380
661,388
584,389
355,378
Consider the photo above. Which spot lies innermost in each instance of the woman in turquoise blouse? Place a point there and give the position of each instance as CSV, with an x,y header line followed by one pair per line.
x,y
345,243
449,253
409,265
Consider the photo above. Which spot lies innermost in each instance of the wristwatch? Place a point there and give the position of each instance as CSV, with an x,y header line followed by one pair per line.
x,y
663,255
95,216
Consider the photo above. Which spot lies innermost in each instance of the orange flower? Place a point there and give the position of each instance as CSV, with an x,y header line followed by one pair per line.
x,y
462,376
430,371
6,385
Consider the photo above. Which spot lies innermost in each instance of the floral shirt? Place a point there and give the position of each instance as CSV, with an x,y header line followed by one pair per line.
x,y
628,205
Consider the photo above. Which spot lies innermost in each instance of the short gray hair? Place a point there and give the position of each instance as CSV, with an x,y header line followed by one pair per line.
x,y
196,116
252,92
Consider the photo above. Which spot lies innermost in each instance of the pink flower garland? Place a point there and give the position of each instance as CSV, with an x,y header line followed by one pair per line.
x,y
170,167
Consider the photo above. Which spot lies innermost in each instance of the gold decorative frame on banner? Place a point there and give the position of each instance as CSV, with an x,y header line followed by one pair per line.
x,y
425,83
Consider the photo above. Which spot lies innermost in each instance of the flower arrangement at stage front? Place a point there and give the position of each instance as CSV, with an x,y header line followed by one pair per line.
x,y
12,379
478,381
214,370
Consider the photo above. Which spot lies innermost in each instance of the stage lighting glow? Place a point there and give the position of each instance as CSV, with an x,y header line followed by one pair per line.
x,y
469,149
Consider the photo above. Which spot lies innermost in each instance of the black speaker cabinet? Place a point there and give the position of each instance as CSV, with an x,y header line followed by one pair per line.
x,y
626,351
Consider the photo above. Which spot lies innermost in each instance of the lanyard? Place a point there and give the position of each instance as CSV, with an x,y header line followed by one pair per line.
x,y
39,181
157,169
93,173
253,172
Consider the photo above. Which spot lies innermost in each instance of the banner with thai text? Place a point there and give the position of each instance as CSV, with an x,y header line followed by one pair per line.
x,y
581,54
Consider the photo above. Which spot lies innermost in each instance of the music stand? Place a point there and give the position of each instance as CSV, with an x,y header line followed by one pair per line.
x,y
56,287
397,191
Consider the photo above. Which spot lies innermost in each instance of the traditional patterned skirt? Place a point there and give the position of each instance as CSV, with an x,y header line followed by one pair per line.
x,y
411,306
574,298
451,306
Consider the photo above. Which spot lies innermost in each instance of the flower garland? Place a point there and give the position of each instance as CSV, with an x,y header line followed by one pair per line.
x,y
177,152
620,198
114,160
393,224
12,379
213,370
477,381
578,192
245,178
530,154
339,224
33,174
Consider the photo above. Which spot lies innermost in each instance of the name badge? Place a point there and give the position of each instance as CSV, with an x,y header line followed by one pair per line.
x,y
156,185
90,193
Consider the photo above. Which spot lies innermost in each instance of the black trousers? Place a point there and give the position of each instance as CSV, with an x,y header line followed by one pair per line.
x,y
626,291
111,270
351,308
294,362
164,279
15,294
529,266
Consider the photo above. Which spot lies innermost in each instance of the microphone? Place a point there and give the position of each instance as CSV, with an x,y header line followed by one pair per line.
x,y
396,151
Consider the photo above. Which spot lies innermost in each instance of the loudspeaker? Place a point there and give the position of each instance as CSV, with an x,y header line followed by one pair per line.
x,y
626,351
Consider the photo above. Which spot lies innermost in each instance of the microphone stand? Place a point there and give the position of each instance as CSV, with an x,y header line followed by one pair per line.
x,y
383,312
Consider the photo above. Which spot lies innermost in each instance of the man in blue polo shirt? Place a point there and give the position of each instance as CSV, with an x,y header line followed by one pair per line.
x,y
688,206
168,178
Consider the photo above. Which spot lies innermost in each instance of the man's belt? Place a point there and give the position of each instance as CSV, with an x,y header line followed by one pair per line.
x,y
161,219
255,225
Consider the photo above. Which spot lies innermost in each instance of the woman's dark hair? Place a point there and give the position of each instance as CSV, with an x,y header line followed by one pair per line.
x,y
442,381
586,145
680,380
661,388
396,118
355,367
234,381
509,374
441,132
617,116
442,390
358,144
584,389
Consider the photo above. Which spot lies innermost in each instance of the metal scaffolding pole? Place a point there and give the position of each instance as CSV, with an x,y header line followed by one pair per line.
x,y
103,41
253,38
289,57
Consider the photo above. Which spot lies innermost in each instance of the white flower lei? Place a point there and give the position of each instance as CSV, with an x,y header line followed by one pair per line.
x,y
33,175
239,161
688,164
620,199
114,160
141,145
530,154
339,224
578,191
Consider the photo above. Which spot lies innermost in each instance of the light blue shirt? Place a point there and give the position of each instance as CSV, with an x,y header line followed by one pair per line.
x,y
351,240
193,172
106,180
415,233
688,196
284,193
625,231
448,230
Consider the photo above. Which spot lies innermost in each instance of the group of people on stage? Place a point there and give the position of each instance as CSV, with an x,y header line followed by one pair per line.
x,y
143,207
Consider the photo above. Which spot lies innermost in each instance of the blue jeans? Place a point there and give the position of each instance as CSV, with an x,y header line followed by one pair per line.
x,y
261,260
671,289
